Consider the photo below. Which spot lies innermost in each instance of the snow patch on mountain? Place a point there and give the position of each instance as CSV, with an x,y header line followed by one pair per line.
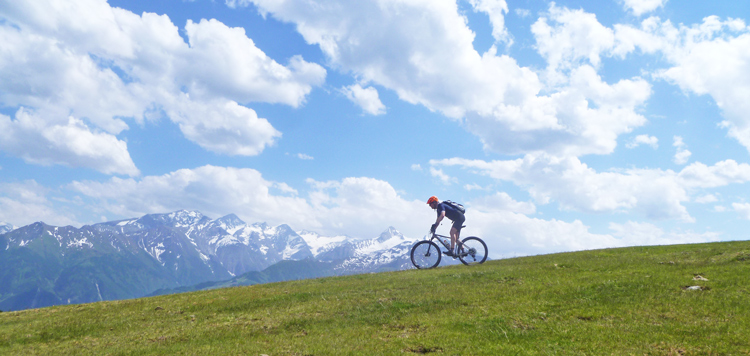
x,y
196,248
6,227
184,218
319,244
80,243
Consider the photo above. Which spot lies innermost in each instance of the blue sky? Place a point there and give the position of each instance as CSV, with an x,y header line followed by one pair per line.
x,y
561,125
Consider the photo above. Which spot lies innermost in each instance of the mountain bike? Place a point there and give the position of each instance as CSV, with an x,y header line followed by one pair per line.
x,y
427,254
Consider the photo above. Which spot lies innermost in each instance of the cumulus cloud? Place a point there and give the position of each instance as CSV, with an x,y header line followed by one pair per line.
x,y
522,235
643,140
23,203
360,207
715,63
709,58
222,126
682,155
105,66
366,98
444,178
501,201
708,198
223,61
510,234
509,107
640,7
641,234
71,143
496,10
574,36
699,175
215,191
654,193
743,209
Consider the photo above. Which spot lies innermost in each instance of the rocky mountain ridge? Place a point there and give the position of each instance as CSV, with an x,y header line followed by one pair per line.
x,y
43,265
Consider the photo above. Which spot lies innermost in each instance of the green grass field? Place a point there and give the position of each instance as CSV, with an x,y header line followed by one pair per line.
x,y
630,301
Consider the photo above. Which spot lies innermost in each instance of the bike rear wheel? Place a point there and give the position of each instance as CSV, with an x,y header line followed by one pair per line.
x,y
476,249
425,255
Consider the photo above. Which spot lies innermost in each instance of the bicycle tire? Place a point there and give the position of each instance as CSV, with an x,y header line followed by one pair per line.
x,y
477,251
425,255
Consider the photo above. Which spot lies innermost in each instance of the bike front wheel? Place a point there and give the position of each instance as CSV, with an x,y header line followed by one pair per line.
x,y
425,255
474,251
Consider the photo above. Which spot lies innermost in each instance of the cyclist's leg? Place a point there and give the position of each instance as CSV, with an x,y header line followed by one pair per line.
x,y
456,232
454,238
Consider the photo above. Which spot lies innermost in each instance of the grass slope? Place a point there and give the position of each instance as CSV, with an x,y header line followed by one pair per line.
x,y
618,301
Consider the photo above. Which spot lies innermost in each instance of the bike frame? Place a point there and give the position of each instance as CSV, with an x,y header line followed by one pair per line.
x,y
441,237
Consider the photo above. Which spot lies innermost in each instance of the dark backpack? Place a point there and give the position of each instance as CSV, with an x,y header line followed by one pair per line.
x,y
456,206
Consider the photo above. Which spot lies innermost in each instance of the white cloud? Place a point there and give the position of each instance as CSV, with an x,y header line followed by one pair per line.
x,y
708,198
573,185
215,191
643,140
305,157
71,143
222,126
682,155
496,10
641,234
424,52
444,178
223,61
416,167
654,193
699,175
475,186
710,58
640,7
743,209
27,202
510,234
61,59
575,36
366,98
523,13
501,201
360,207
714,62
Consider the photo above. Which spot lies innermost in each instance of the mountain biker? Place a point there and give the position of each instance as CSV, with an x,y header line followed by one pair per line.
x,y
445,210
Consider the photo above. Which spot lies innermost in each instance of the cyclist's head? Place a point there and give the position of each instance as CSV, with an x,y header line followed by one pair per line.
x,y
432,202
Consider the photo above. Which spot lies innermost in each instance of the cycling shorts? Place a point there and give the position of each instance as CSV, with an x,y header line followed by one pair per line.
x,y
459,223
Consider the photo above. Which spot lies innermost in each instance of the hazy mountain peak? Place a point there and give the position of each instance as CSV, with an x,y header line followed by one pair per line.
x,y
390,233
6,227
231,223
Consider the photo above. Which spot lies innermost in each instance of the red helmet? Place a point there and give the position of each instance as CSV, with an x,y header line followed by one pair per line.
x,y
432,199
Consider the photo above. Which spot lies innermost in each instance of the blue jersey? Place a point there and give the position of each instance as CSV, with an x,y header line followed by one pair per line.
x,y
450,212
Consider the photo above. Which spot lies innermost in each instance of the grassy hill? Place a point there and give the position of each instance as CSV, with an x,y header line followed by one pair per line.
x,y
618,301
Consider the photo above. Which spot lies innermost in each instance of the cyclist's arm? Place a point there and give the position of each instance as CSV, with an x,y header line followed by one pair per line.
x,y
440,217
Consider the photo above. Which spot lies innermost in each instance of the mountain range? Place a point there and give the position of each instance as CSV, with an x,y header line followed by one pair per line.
x,y
43,265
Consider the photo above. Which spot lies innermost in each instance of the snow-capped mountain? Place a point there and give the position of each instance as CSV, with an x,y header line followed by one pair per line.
x,y
5,227
390,251
133,257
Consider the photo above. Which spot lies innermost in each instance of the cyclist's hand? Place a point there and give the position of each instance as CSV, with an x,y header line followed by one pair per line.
x,y
433,228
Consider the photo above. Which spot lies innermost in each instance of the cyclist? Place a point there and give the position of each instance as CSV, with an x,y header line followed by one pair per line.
x,y
445,210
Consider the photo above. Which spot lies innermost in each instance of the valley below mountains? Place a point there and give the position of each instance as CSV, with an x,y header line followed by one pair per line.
x,y
42,265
